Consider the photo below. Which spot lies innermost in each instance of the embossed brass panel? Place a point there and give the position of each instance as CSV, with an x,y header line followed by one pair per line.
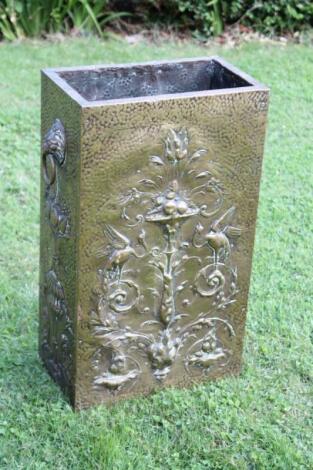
x,y
149,191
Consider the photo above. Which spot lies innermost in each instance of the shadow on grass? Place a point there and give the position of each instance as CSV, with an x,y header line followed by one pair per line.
x,y
24,379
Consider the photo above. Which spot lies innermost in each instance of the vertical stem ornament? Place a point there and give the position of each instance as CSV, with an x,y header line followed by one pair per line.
x,y
168,202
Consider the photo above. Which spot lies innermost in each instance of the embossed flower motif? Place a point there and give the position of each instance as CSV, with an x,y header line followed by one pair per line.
x,y
176,145
175,187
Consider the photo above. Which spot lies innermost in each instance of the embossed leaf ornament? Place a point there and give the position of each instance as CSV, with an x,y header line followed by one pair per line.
x,y
180,205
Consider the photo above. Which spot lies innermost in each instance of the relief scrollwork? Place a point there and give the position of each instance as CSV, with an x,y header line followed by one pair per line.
x,y
53,156
57,329
167,270
208,351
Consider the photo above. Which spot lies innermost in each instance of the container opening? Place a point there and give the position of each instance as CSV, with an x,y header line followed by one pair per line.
x,y
155,79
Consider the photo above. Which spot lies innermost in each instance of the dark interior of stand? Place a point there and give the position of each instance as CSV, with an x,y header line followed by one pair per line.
x,y
148,80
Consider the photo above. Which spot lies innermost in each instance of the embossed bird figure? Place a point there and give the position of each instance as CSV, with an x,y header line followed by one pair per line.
x,y
119,250
208,355
117,375
219,234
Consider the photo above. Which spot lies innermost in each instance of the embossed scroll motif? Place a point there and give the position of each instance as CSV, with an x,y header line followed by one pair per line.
x,y
57,329
176,229
53,157
57,334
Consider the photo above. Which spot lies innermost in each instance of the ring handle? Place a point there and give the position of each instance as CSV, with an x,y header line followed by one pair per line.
x,y
53,151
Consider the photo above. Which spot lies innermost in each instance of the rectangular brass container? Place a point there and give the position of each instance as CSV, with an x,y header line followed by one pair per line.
x,y
149,192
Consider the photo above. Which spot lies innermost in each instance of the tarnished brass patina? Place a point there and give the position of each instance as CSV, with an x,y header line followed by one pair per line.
x,y
149,191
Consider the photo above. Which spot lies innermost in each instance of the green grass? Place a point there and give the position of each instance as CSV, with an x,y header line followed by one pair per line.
x,y
260,420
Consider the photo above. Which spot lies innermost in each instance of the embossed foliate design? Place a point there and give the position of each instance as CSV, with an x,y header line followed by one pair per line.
x,y
147,226
57,332
57,329
168,265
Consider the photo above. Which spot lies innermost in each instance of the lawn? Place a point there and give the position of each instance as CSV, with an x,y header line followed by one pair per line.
x,y
262,419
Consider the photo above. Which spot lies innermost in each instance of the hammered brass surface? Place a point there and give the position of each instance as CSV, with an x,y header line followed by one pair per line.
x,y
146,252
153,79
58,234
